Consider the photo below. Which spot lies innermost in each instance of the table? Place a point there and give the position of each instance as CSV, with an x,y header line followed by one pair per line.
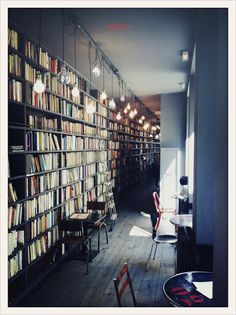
x,y
182,220
91,218
183,289
185,244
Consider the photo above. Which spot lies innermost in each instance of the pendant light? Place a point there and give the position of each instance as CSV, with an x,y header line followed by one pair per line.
x,y
143,117
96,70
63,75
112,104
122,98
39,86
75,91
140,121
90,108
118,116
104,94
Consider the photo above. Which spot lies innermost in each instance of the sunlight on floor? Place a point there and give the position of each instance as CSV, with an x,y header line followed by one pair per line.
x,y
136,231
144,214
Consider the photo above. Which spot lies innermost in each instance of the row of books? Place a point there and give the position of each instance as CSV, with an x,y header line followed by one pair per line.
x,y
38,184
40,246
89,183
71,175
13,39
48,62
41,162
30,73
63,90
12,196
102,110
41,141
15,215
71,110
15,264
71,207
45,100
15,65
41,204
71,127
41,224
40,122
72,159
101,121
15,238
71,191
15,90
102,133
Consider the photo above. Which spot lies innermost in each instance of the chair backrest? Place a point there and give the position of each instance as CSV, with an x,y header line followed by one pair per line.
x,y
96,205
158,208
163,225
121,282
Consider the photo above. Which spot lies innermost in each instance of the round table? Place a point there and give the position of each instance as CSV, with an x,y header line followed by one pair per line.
x,y
182,220
182,292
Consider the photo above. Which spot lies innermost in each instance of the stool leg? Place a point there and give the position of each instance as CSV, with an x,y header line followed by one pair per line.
x,y
149,257
99,239
106,231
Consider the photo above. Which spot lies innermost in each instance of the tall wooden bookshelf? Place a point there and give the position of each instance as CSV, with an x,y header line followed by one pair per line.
x,y
58,158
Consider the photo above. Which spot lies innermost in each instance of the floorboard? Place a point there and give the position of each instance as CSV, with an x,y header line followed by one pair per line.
x,y
130,241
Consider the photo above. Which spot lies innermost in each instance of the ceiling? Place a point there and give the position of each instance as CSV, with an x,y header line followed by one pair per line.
x,y
147,52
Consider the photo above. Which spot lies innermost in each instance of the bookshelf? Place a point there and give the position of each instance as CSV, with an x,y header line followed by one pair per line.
x,y
60,157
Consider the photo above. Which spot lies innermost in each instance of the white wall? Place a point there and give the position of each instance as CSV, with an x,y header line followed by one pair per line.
x,y
173,125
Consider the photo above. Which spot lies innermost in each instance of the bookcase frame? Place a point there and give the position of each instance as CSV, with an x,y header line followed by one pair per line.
x,y
129,151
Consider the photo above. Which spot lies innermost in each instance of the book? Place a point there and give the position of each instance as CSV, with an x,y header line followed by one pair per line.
x,y
79,216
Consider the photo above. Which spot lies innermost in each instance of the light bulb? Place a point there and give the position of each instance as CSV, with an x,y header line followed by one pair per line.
x,y
140,121
145,127
75,91
118,116
96,71
125,110
158,127
112,104
122,98
39,87
154,128
63,76
135,111
131,114
103,95
90,108
143,117
156,136
128,106
151,135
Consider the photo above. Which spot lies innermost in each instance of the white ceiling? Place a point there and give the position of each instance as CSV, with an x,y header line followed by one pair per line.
x,y
148,53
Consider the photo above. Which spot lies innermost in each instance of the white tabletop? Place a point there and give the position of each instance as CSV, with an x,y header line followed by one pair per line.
x,y
184,220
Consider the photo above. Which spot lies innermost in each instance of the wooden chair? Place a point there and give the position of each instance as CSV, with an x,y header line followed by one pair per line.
x,y
162,216
121,282
100,222
74,235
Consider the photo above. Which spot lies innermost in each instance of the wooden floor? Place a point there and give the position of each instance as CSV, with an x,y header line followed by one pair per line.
x,y
130,242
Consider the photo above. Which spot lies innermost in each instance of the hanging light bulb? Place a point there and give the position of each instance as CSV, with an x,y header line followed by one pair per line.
x,y
122,98
112,104
103,95
156,136
146,126
125,110
90,108
96,71
128,106
154,128
39,87
75,91
158,127
63,75
143,117
135,112
118,116
131,114
151,135
140,121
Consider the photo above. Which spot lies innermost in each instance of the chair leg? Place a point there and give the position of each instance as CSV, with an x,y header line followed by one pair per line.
x,y
149,257
87,260
90,249
99,239
106,231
